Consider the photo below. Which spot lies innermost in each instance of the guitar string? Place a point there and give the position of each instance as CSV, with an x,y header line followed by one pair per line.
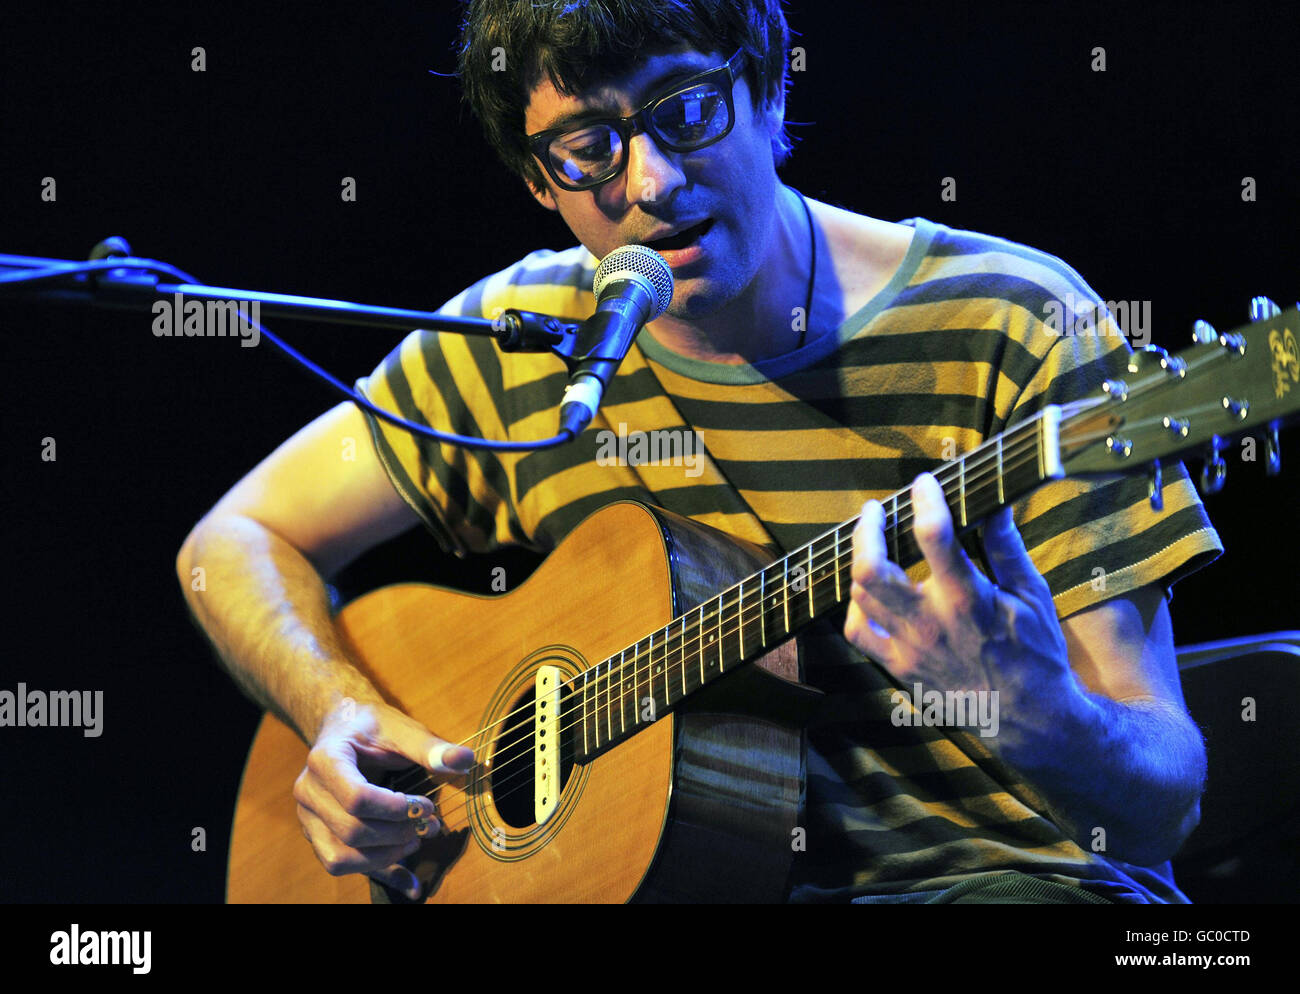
x,y
518,778
505,785
1011,457
903,518
667,651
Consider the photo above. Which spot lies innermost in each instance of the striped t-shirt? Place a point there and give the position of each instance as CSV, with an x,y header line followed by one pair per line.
x,y
954,349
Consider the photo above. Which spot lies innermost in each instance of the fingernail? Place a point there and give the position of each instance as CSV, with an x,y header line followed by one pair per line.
x,y
457,758
412,888
925,487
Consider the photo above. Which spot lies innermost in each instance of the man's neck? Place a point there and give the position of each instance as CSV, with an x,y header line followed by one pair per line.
x,y
857,256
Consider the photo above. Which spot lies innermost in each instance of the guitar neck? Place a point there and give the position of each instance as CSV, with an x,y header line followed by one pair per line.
x,y
648,678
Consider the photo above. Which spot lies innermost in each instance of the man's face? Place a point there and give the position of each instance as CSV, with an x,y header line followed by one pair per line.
x,y
726,192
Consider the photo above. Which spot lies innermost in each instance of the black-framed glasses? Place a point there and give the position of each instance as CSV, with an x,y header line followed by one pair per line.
x,y
695,113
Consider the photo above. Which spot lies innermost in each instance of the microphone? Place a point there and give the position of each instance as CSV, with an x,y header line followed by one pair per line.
x,y
633,286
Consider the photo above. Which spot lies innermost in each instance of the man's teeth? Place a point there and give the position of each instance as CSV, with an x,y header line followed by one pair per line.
x,y
679,240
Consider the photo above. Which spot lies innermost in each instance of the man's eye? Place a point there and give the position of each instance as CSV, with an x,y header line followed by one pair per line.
x,y
589,145
692,109
590,153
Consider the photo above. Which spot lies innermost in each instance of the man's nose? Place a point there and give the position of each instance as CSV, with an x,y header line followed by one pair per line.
x,y
653,174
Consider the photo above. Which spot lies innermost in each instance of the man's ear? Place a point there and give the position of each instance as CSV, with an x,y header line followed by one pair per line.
x,y
774,112
542,194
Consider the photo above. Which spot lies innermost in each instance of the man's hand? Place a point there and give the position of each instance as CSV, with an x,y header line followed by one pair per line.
x,y
957,630
353,825
1103,684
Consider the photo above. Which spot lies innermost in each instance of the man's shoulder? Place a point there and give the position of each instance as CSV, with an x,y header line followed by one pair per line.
x,y
981,259
880,265
545,280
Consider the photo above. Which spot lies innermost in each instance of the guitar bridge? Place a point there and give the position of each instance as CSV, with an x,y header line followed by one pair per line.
x,y
546,744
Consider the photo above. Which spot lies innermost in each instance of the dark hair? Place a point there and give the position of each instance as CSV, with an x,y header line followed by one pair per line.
x,y
508,45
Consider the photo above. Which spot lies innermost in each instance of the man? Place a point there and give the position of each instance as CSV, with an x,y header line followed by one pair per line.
x,y
823,357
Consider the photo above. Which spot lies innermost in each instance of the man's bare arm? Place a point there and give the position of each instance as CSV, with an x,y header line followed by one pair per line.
x,y
1091,712
1132,762
302,514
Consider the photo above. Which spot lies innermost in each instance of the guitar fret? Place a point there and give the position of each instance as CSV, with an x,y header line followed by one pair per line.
x,y
1042,445
785,592
620,694
595,706
961,477
637,694
649,676
762,606
740,625
586,686
701,683
596,715
1001,497
891,524
718,634
681,671
836,561
811,607
627,693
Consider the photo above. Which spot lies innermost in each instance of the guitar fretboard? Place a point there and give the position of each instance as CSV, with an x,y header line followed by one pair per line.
x,y
642,682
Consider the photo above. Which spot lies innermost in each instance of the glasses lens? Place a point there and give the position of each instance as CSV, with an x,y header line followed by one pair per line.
x,y
586,155
693,117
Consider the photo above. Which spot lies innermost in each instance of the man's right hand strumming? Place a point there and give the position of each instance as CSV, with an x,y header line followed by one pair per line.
x,y
355,826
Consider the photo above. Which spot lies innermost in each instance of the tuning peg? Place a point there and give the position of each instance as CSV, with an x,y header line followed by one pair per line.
x,y
1272,451
1262,308
1155,488
1204,333
1215,470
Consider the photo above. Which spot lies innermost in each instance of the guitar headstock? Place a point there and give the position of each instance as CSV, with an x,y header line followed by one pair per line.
x,y
1224,386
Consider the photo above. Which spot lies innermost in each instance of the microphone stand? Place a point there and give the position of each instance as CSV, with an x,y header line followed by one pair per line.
x,y
114,278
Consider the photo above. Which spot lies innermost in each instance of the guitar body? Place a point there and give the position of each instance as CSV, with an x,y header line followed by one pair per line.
x,y
699,805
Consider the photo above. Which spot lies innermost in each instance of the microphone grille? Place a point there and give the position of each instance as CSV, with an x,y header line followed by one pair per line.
x,y
641,263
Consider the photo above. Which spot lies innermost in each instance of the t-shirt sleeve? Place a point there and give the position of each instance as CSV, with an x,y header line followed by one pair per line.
x,y
451,488
1098,537
467,498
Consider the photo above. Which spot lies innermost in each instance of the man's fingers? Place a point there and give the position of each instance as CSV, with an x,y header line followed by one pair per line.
x,y
339,858
334,764
409,738
447,758
387,739
1012,568
871,563
937,539
360,833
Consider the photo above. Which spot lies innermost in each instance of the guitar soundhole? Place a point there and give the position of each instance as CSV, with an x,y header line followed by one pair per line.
x,y
513,769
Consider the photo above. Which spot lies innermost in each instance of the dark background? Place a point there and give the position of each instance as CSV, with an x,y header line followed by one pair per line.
x,y
1133,175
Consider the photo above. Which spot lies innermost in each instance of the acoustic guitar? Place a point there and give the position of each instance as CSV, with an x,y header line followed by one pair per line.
x,y
626,748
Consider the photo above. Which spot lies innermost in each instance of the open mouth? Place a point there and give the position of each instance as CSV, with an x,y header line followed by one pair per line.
x,y
683,239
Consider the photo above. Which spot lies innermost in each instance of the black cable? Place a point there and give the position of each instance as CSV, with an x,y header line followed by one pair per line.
x,y
64,270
